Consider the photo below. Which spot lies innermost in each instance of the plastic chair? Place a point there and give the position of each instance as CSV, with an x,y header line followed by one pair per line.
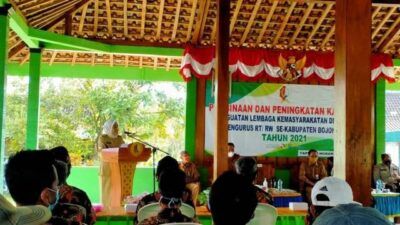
x,y
153,208
264,214
181,223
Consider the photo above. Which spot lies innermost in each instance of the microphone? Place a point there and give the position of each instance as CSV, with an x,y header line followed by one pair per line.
x,y
129,133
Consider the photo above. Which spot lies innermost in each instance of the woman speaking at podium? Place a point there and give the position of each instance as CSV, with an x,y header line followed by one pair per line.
x,y
109,139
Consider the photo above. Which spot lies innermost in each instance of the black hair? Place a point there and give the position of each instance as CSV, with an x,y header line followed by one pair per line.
x,y
231,144
172,183
247,167
166,163
61,153
62,171
311,151
232,199
384,155
330,159
28,173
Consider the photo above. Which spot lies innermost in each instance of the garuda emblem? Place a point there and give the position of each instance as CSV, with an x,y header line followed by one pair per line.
x,y
291,69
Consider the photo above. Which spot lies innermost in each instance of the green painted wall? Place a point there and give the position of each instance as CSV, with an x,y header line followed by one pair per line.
x,y
190,130
87,179
97,72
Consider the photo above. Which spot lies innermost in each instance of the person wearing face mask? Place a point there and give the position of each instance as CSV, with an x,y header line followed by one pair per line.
x,y
109,139
232,156
32,179
311,171
388,173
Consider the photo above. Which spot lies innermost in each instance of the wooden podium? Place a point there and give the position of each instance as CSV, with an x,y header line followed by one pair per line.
x,y
122,162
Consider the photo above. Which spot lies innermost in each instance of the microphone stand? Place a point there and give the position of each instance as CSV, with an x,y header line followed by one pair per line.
x,y
154,149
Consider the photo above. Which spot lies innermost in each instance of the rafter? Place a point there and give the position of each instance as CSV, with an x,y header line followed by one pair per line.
x,y
376,11
234,16
126,18
25,59
140,61
328,36
93,59
75,54
320,20
387,33
200,17
204,19
142,23
53,57
302,22
191,20
68,25
96,17
109,22
250,22
168,66
395,32
214,30
383,21
159,22
284,23
177,10
126,61
155,63
111,60
46,9
82,22
266,23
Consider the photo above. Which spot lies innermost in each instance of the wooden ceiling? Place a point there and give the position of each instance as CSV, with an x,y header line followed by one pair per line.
x,y
271,24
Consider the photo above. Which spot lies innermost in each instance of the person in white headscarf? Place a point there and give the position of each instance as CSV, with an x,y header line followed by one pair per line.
x,y
109,139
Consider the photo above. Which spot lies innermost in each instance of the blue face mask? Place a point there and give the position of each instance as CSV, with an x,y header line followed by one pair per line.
x,y
52,205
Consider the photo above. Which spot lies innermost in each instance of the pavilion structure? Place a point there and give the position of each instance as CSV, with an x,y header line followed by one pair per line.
x,y
139,37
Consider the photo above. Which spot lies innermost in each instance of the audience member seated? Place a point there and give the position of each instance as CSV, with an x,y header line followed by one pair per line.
x,y
351,214
388,173
70,194
329,166
25,215
247,167
32,179
328,193
232,200
310,172
164,164
192,175
171,186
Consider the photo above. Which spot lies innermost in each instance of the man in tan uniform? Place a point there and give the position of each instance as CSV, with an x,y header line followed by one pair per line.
x,y
192,175
310,172
109,139
388,173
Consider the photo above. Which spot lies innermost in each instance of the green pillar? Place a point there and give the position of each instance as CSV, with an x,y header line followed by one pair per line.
x,y
32,123
3,83
380,118
190,131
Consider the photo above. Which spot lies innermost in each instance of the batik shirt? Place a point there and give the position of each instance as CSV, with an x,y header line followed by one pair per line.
x,y
192,174
168,216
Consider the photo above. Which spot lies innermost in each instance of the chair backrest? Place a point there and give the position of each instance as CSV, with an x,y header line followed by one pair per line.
x,y
153,208
181,224
264,214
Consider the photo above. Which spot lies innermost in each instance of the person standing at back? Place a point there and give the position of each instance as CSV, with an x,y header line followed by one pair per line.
x,y
109,139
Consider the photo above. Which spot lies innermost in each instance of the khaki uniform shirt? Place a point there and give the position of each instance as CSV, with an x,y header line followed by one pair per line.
x,y
386,174
311,173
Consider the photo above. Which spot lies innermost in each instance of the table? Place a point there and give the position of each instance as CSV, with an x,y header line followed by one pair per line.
x,y
387,203
118,216
283,199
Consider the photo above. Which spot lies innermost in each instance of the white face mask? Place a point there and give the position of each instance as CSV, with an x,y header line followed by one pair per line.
x,y
230,154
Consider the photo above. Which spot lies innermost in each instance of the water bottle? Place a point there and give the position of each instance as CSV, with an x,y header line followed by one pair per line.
x,y
265,184
280,183
379,186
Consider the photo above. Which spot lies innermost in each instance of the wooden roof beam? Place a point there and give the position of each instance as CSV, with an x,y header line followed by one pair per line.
x,y
234,16
168,66
53,57
109,22
177,10
284,23
200,17
266,23
203,21
250,22
159,22
143,21
126,18
126,61
191,20
395,32
382,22
321,19
328,36
68,24
51,7
82,22
302,22
387,36
96,17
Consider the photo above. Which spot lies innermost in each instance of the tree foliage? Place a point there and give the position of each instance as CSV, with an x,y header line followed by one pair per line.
x,y
73,111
